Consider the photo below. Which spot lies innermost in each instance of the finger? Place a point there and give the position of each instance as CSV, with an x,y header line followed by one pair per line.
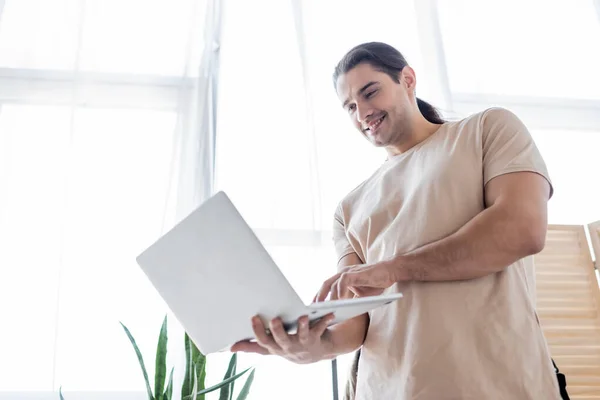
x,y
279,334
337,292
326,287
359,284
323,291
262,338
334,291
343,283
303,330
319,328
249,347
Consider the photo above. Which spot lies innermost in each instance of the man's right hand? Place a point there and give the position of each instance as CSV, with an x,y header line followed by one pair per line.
x,y
310,343
346,263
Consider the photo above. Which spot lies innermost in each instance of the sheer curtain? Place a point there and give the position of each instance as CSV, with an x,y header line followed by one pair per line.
x,y
106,125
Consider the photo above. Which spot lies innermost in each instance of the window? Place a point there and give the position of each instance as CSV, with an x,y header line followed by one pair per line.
x,y
91,121
571,158
81,195
522,48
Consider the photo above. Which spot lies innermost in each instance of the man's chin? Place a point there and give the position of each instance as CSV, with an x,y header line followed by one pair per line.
x,y
377,142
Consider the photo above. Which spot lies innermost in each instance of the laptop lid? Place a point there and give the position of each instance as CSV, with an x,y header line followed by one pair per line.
x,y
214,274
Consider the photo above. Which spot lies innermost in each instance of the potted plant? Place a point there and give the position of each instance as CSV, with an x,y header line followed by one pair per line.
x,y
193,387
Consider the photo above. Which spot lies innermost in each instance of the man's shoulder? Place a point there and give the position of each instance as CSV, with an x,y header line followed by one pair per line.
x,y
488,120
490,113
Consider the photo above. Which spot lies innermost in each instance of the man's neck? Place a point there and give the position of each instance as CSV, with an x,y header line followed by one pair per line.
x,y
423,130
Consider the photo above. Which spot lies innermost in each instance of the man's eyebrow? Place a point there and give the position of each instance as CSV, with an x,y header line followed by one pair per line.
x,y
368,85
361,91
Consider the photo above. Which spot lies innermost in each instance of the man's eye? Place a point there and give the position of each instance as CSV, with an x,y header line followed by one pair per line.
x,y
370,94
351,108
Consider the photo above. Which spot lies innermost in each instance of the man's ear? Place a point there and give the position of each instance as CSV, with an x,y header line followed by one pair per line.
x,y
408,78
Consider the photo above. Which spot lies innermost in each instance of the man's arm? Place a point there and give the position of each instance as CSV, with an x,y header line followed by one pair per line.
x,y
512,226
349,335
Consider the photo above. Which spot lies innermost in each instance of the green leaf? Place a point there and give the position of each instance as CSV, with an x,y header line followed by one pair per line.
x,y
169,391
201,378
195,367
227,391
141,360
161,361
60,393
246,389
186,388
195,384
221,384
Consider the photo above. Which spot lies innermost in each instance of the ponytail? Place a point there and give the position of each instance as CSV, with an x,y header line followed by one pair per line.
x,y
430,113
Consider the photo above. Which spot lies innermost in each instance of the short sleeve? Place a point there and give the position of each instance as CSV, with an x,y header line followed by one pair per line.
x,y
509,147
340,239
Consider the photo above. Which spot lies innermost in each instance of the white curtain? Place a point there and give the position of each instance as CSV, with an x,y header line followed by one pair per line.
x,y
106,140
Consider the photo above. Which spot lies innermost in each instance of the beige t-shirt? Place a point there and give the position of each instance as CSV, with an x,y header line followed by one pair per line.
x,y
473,339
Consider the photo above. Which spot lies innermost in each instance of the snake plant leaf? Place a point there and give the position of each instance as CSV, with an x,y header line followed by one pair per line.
x,y
161,361
141,361
195,367
201,371
227,391
168,395
220,384
195,383
246,388
201,379
186,388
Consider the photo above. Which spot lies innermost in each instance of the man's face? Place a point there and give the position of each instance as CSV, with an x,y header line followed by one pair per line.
x,y
378,106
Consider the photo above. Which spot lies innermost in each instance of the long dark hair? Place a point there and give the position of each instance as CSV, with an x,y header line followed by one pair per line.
x,y
387,59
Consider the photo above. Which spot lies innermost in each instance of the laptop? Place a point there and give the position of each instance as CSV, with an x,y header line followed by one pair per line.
x,y
214,274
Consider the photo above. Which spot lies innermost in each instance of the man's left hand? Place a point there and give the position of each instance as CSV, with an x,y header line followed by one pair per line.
x,y
362,280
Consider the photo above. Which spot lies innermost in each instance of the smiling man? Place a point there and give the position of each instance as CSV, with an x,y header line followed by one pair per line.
x,y
452,219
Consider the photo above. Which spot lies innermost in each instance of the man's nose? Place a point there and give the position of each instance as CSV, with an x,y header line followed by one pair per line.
x,y
363,113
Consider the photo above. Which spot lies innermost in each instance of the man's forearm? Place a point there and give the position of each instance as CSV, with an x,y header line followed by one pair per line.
x,y
488,243
346,337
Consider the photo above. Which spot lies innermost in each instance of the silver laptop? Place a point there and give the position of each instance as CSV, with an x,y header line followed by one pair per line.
x,y
215,275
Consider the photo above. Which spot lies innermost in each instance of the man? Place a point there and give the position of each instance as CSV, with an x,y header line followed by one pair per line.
x,y
451,219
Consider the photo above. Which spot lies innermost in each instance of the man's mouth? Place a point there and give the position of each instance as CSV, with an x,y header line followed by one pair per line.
x,y
372,126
